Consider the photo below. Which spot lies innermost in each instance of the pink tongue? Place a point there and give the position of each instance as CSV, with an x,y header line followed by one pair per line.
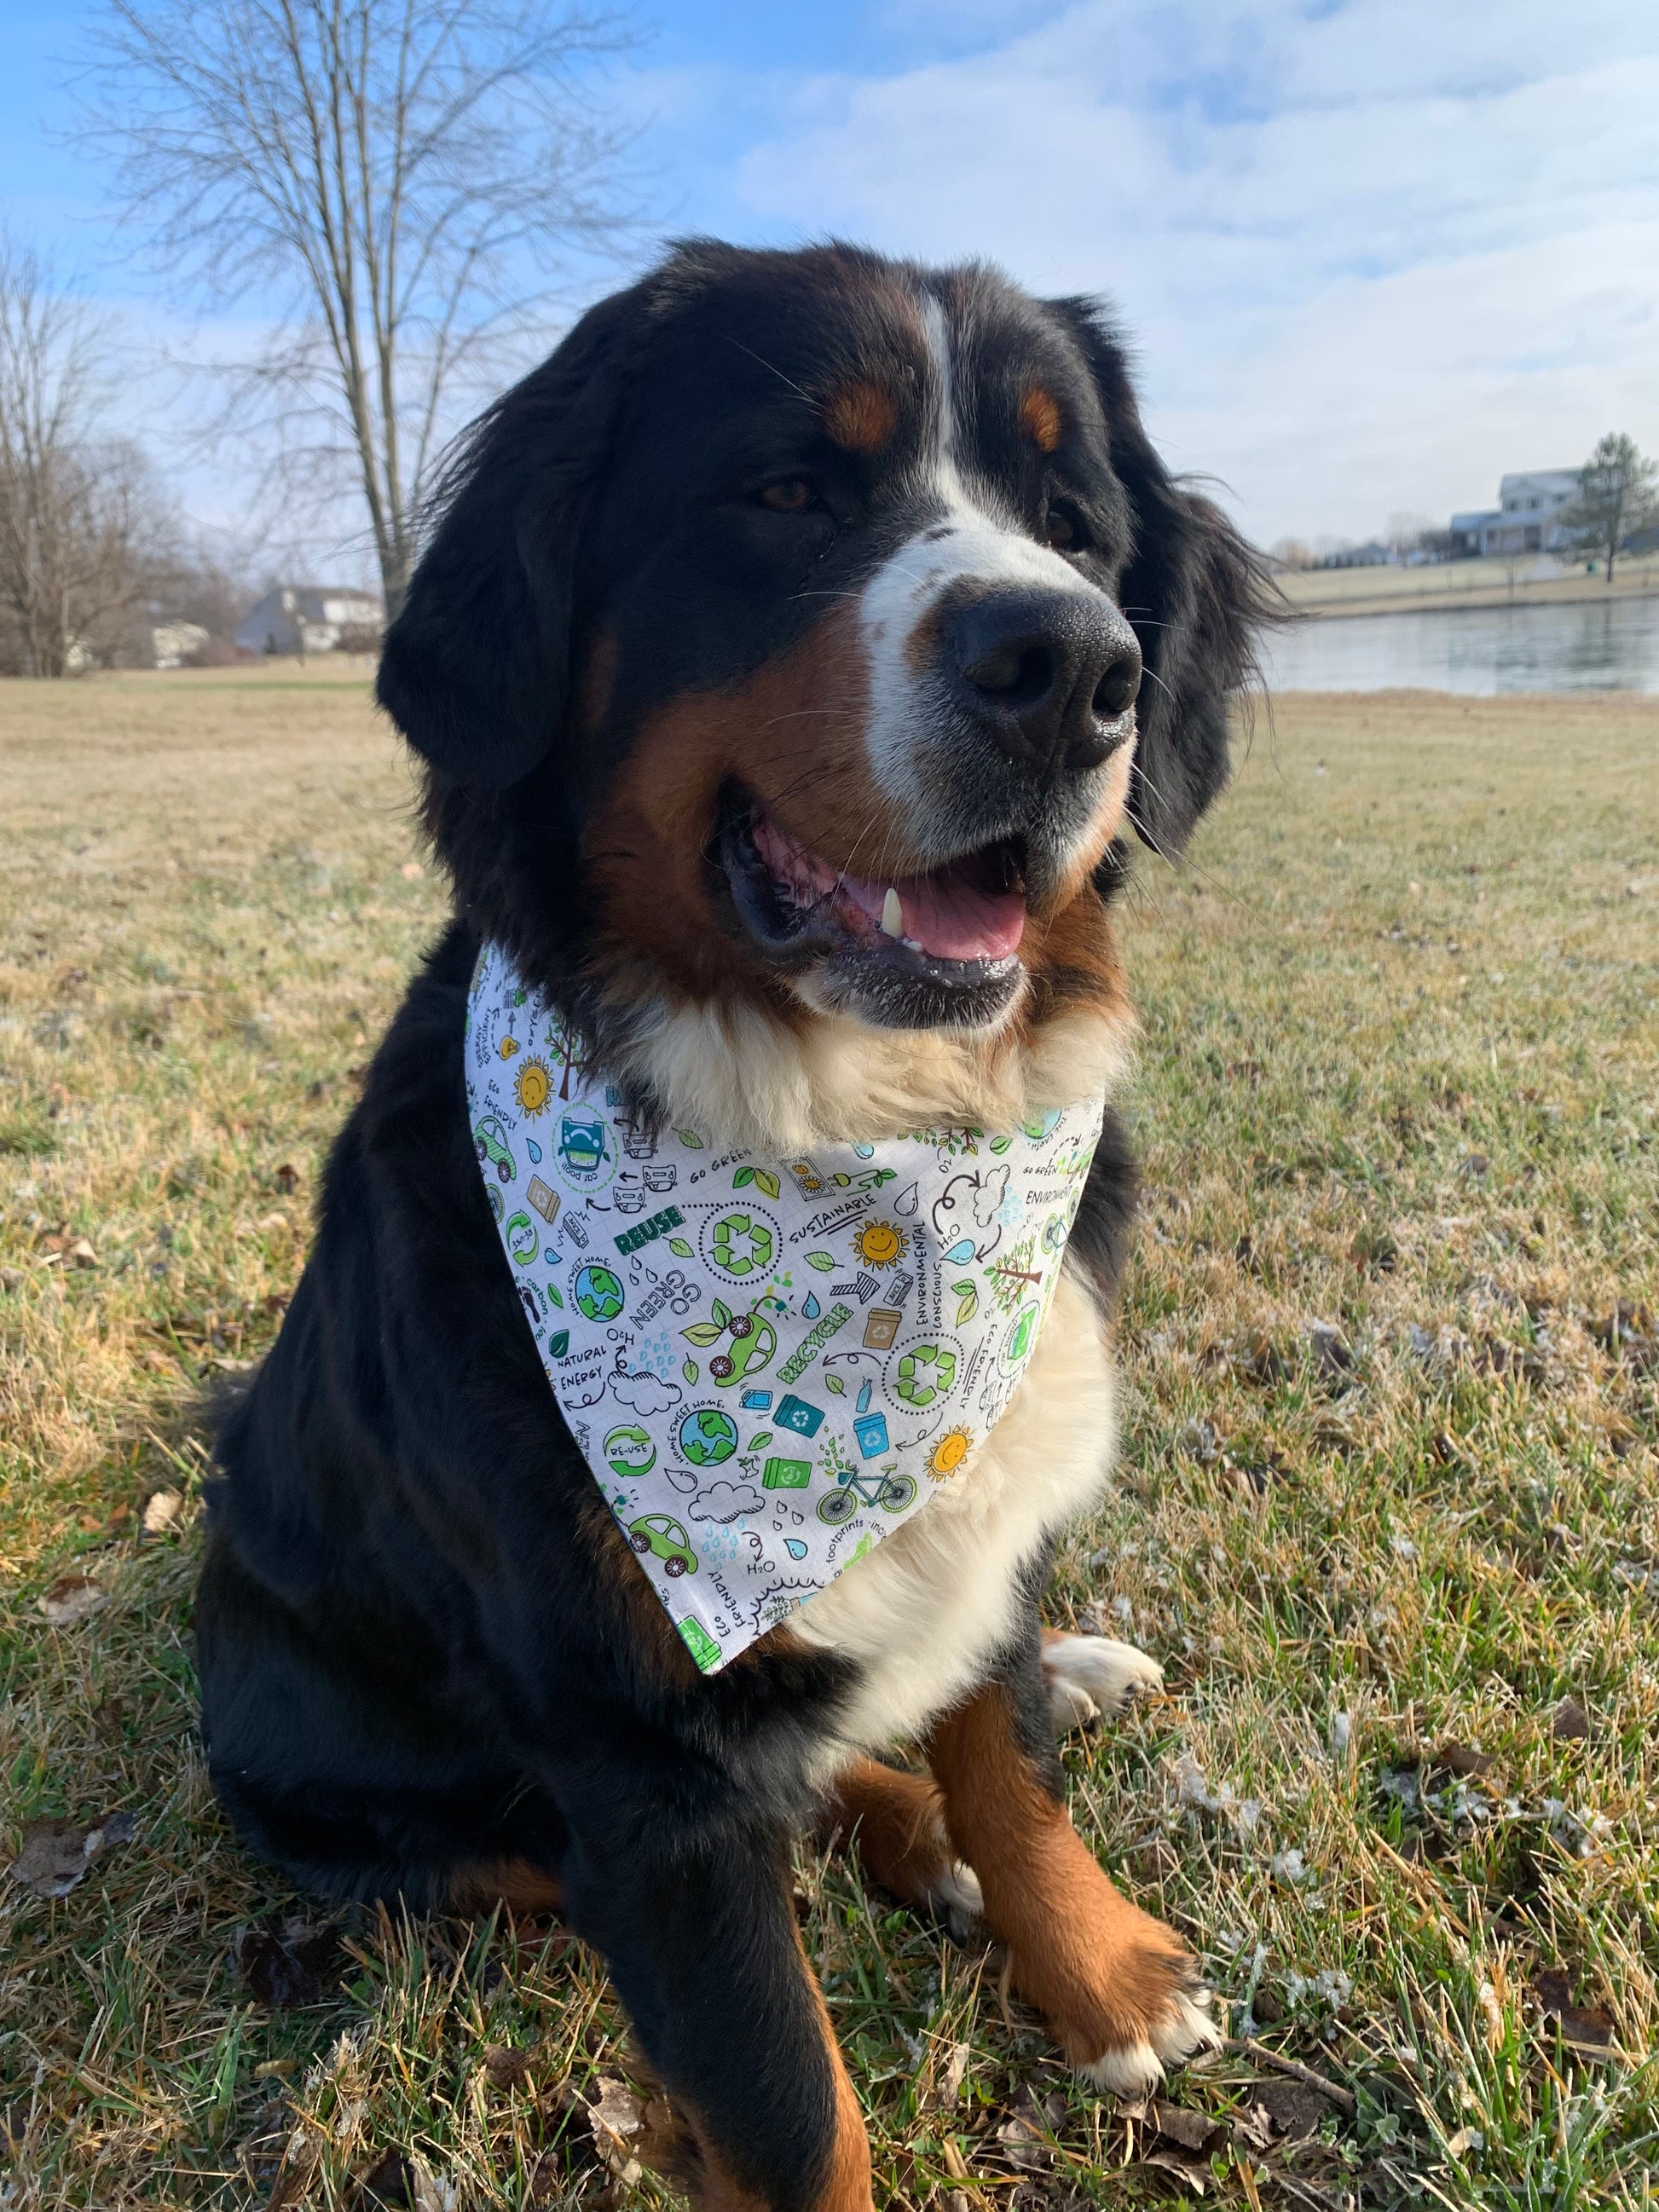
x,y
952,919
946,916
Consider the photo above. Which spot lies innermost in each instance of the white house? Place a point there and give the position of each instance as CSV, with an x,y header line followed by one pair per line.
x,y
1524,521
302,619
171,643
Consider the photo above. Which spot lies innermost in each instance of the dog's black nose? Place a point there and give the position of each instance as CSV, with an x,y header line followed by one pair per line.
x,y
1051,674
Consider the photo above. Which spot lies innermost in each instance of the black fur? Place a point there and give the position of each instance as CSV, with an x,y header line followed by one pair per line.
x,y
1197,595
424,1646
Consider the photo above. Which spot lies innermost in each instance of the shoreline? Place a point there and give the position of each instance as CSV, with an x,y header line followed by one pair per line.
x,y
1455,602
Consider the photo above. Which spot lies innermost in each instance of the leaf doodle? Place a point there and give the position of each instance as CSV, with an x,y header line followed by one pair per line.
x,y
743,1178
767,1181
704,1333
967,1300
824,1262
690,1370
679,1248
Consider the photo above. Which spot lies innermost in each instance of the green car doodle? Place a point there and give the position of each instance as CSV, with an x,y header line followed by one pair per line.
x,y
490,1140
753,1343
659,1533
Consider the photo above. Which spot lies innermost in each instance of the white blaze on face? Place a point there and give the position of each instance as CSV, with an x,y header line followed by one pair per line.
x,y
970,541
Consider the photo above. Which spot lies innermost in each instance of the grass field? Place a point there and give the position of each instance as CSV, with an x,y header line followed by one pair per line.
x,y
1389,1507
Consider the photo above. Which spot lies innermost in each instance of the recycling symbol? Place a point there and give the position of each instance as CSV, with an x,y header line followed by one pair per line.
x,y
924,1375
743,1244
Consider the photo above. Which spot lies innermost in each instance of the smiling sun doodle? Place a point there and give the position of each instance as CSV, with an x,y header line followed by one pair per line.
x,y
948,1453
879,1244
533,1085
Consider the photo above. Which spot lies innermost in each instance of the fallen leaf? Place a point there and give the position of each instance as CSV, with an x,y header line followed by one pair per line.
x,y
56,1854
616,2116
431,2192
72,1598
947,2086
1195,2131
290,1968
1193,2171
1331,1356
1252,2126
1587,2029
81,1253
1569,1722
388,2183
1024,2142
506,2066
1459,1758
1296,2109
161,1510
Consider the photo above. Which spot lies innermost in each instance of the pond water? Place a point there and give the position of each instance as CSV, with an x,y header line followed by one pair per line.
x,y
1581,646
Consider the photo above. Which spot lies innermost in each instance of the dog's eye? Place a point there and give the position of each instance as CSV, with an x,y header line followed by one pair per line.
x,y
1064,530
789,495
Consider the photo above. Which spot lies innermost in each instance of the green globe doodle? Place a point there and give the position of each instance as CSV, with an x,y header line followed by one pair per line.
x,y
743,1245
598,1292
707,1437
925,1374
1021,1335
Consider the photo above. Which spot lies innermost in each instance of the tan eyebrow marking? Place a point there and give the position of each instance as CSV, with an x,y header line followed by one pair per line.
x,y
1039,417
861,417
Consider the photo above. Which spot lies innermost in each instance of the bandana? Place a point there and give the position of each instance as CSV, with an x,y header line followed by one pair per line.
x,y
768,1364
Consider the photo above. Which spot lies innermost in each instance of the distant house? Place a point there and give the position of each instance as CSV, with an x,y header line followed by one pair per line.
x,y
1525,520
173,643
1356,556
302,619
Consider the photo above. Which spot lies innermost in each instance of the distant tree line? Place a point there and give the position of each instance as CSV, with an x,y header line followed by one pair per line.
x,y
399,187
91,548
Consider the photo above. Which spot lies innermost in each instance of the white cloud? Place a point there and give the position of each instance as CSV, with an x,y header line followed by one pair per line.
x,y
1372,255
645,1392
725,1501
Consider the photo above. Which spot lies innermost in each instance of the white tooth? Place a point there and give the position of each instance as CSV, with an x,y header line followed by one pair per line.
x,y
893,913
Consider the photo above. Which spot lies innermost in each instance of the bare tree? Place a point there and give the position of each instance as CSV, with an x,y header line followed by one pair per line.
x,y
408,180
1618,495
81,524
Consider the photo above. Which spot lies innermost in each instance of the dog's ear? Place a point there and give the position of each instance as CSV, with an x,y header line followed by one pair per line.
x,y
475,671
1196,593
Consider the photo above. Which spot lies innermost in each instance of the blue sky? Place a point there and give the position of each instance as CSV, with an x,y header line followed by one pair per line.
x,y
1373,252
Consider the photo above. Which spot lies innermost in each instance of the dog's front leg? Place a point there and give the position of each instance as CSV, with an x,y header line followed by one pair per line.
x,y
701,1939
1118,1988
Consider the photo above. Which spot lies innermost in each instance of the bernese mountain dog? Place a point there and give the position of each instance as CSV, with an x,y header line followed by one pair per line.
x,y
791,657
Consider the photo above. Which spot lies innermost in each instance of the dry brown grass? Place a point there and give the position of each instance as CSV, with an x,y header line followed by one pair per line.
x,y
1398,1078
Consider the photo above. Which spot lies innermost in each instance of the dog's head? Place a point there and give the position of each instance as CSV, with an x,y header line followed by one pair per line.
x,y
803,633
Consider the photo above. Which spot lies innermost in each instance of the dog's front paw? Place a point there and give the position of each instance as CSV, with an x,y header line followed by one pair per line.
x,y
1178,2026
1123,1994
1087,1676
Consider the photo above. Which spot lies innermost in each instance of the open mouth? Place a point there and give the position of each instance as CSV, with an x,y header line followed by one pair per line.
x,y
930,947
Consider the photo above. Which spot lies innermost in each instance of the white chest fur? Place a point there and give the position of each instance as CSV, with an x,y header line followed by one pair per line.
x,y
923,1613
